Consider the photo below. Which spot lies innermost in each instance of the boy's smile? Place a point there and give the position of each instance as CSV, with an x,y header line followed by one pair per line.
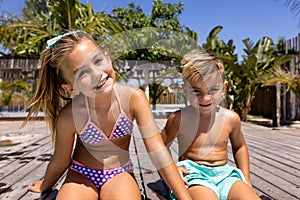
x,y
204,95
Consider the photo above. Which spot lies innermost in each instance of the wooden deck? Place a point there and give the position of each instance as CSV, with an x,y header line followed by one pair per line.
x,y
274,156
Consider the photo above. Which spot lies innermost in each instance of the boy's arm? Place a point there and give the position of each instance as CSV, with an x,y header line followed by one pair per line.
x,y
239,147
170,130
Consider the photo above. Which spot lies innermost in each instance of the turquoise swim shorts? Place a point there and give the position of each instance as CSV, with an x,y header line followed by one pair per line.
x,y
219,179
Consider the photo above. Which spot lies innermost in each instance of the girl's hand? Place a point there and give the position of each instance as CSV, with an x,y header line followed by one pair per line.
x,y
182,171
36,187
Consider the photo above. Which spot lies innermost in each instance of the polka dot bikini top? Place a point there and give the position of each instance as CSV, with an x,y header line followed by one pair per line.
x,y
92,134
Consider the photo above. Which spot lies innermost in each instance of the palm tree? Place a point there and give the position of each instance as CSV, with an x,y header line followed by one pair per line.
x,y
294,6
280,76
28,35
10,88
246,77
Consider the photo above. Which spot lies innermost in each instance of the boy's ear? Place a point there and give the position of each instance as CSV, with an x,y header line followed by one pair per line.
x,y
184,88
225,85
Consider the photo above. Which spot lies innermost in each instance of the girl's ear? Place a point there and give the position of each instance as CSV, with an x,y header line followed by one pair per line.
x,y
107,56
70,90
67,87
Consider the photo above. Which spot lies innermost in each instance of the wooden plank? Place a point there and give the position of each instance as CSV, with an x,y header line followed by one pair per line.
x,y
14,178
10,157
47,195
33,164
31,137
17,183
274,163
281,157
284,151
290,135
147,173
272,186
270,180
287,173
273,158
41,152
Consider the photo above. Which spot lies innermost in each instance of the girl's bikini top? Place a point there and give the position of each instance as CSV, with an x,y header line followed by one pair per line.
x,y
92,134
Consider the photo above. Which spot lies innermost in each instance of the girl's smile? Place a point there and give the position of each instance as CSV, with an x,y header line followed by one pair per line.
x,y
102,83
91,70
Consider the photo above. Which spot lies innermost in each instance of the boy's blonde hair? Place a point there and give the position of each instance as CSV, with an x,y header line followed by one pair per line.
x,y
201,65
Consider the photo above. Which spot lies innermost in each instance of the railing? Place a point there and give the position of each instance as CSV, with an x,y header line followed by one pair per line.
x,y
9,64
20,108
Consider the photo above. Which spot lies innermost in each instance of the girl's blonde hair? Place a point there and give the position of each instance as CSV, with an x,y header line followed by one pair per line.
x,y
49,95
199,65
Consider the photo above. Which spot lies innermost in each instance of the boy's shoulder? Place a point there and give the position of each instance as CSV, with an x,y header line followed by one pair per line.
x,y
181,114
231,114
231,117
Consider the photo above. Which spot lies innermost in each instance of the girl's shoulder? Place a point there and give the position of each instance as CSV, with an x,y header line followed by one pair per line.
x,y
126,91
65,118
127,88
67,112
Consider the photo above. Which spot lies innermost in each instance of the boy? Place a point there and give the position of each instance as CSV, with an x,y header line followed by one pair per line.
x,y
203,129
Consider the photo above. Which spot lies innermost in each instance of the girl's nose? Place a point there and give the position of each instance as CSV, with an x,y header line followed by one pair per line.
x,y
96,71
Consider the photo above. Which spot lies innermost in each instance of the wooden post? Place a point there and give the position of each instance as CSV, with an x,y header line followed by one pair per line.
x,y
277,115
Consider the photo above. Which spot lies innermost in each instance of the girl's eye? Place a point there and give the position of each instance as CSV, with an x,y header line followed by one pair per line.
x,y
82,73
98,61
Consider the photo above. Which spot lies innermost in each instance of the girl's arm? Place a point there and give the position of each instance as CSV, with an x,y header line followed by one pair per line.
x,y
60,160
160,156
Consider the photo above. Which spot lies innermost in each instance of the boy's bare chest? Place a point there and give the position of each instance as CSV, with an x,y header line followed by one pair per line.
x,y
213,139
210,148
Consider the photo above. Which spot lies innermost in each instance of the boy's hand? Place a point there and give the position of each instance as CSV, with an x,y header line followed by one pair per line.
x,y
36,187
182,171
248,181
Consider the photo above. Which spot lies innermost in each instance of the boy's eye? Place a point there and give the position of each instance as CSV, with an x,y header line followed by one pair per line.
x,y
196,92
213,90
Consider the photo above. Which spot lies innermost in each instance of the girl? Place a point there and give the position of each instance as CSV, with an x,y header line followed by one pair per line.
x,y
101,116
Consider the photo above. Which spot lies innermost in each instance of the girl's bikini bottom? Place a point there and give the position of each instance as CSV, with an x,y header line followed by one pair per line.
x,y
98,176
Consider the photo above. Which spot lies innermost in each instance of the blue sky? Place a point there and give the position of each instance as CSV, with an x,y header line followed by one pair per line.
x,y
240,19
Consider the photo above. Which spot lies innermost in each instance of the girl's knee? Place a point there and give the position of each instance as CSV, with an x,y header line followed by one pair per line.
x,y
123,186
73,191
76,186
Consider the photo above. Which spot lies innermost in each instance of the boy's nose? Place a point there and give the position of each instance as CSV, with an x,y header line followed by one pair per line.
x,y
205,97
